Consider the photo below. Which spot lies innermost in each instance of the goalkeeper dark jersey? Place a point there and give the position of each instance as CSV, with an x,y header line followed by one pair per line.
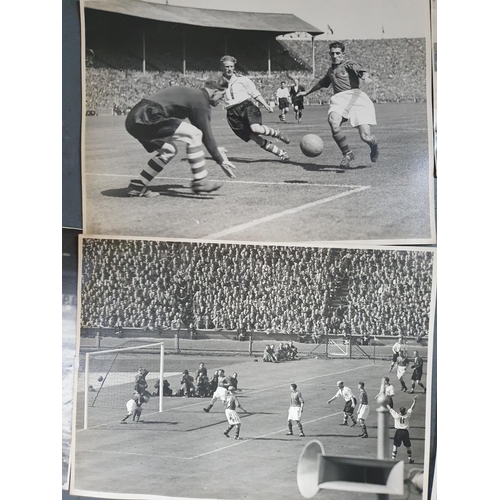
x,y
179,103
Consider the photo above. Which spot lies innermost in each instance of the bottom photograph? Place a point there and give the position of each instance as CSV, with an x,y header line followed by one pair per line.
x,y
228,371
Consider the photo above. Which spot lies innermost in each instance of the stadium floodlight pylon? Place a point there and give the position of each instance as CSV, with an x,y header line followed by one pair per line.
x,y
109,378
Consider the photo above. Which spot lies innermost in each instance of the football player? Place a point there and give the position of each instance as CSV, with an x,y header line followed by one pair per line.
x,y
418,371
157,122
363,409
350,402
295,410
232,417
243,116
402,426
348,102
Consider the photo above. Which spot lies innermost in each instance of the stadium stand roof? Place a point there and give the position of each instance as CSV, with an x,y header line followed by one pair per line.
x,y
210,18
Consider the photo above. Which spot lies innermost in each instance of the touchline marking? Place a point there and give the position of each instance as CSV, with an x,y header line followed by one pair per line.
x,y
243,441
278,215
232,181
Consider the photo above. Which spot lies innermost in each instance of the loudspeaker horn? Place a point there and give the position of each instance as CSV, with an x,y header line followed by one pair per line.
x,y
317,471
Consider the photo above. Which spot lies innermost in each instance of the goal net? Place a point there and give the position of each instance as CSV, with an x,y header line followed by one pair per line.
x,y
110,381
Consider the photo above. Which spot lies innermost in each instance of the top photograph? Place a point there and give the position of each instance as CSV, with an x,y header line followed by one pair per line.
x,y
301,122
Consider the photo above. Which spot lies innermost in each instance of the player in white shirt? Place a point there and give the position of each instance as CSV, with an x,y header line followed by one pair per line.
x,y
402,426
350,402
387,390
398,348
243,116
283,100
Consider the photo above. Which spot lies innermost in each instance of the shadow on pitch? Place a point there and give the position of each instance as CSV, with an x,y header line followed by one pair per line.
x,y
310,167
170,190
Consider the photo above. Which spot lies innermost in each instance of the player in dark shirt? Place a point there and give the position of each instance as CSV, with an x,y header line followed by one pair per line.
x,y
157,122
418,371
348,102
297,101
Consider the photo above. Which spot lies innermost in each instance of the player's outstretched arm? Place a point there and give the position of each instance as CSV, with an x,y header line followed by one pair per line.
x,y
226,165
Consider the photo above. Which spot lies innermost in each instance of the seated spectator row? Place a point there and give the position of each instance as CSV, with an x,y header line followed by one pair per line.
x,y
157,284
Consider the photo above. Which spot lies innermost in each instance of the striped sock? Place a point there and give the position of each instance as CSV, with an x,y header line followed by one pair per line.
x,y
341,141
196,158
155,166
272,148
270,131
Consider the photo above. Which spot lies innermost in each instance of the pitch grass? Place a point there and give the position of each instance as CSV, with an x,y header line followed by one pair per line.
x,y
385,201
183,453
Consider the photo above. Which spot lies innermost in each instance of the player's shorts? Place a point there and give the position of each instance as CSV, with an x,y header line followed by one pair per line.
x,y
283,103
364,411
402,436
416,375
232,417
294,413
353,105
241,116
150,125
220,393
390,401
395,356
298,104
131,406
348,408
400,371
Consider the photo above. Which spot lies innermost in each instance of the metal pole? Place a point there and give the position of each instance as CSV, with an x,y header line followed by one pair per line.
x,y
313,59
160,389
269,59
383,443
143,51
183,53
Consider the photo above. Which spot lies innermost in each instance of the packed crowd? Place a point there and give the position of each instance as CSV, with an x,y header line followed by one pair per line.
x,y
397,67
148,284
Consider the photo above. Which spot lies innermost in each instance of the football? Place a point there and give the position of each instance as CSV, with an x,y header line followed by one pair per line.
x,y
311,145
100,379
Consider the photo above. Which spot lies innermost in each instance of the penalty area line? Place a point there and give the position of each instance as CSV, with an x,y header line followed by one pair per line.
x,y
243,441
278,215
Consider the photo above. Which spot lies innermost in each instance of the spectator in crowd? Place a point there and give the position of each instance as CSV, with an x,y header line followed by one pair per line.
x,y
276,289
187,384
203,387
233,381
167,391
269,356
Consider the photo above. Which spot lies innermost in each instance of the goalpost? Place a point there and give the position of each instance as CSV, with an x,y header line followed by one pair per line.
x,y
109,378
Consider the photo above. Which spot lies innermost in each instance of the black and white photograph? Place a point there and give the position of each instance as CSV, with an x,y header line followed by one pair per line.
x,y
226,371
301,122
